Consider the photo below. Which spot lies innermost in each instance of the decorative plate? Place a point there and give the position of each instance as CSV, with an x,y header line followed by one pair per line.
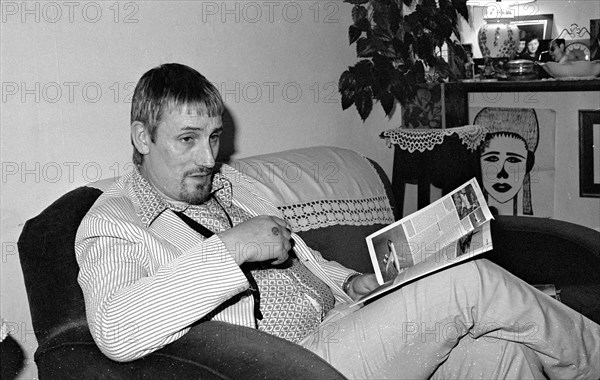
x,y
579,50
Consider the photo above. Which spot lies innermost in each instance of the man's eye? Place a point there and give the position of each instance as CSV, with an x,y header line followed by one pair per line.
x,y
215,137
187,138
491,159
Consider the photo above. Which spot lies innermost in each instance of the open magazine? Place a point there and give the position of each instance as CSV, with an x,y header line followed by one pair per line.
x,y
454,228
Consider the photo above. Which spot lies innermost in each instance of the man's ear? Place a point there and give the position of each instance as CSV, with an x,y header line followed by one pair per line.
x,y
140,137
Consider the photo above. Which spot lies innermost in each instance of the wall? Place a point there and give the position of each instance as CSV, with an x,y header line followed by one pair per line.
x,y
68,69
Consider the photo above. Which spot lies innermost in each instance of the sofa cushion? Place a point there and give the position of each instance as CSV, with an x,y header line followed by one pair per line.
x,y
333,210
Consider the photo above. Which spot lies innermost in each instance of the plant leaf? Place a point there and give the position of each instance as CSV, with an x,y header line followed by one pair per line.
x,y
364,102
353,34
381,19
387,102
346,81
362,73
365,47
358,13
461,8
363,24
395,18
347,99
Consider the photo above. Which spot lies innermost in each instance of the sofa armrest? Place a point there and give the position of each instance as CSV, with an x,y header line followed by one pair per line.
x,y
211,350
540,250
548,251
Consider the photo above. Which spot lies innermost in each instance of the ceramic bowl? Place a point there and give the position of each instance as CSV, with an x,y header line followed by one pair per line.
x,y
576,69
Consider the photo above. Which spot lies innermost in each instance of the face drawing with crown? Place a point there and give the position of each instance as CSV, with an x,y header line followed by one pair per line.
x,y
503,166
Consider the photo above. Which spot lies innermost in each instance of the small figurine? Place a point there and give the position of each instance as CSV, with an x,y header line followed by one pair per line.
x,y
469,66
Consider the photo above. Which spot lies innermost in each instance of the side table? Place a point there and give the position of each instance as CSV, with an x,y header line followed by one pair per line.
x,y
445,158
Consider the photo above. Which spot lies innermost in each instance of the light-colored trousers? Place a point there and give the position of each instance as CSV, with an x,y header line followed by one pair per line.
x,y
470,321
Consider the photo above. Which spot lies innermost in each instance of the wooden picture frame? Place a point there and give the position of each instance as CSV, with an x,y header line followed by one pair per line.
x,y
539,25
589,153
594,39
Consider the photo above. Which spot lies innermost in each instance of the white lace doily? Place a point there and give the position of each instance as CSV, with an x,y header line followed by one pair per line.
x,y
332,212
320,187
426,139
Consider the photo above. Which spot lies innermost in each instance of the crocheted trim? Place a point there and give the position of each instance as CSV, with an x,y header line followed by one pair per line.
x,y
330,212
426,139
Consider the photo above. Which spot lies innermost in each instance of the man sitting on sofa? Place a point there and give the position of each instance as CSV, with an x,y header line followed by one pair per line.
x,y
181,239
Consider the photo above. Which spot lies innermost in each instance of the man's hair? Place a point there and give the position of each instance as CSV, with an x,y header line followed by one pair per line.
x,y
171,87
556,43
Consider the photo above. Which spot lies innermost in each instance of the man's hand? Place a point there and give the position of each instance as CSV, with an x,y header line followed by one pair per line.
x,y
261,238
362,285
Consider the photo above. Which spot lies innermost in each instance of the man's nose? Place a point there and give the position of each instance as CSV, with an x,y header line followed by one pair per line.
x,y
204,156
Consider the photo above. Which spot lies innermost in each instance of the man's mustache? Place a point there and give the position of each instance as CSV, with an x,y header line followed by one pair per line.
x,y
201,171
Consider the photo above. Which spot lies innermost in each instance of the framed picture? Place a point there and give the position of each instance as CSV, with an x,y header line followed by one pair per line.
x,y
589,153
594,39
538,25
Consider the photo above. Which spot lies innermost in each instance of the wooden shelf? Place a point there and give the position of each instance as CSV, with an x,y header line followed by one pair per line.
x,y
546,85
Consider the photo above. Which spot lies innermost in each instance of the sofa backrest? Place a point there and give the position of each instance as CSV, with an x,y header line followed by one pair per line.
x,y
46,244
332,197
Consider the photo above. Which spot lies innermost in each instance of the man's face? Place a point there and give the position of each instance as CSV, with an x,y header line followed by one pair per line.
x,y
503,167
557,52
180,161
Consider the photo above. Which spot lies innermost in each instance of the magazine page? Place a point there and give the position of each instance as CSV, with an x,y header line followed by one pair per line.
x,y
412,239
476,242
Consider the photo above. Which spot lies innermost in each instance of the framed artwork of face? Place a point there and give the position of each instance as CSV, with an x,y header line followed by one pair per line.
x,y
517,177
504,165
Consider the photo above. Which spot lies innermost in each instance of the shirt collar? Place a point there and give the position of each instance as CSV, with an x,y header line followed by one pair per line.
x,y
152,204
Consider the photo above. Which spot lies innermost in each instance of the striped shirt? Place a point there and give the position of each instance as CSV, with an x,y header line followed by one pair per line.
x,y
146,276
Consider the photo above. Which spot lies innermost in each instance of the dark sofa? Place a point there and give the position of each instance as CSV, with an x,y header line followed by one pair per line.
x,y
537,250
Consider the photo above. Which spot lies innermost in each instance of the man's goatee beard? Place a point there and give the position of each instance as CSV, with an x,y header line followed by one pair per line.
x,y
200,196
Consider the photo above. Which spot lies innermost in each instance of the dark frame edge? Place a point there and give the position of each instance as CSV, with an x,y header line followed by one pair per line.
x,y
587,188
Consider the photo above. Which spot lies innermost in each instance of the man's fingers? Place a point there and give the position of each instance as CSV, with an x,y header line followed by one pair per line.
x,y
281,259
281,228
281,222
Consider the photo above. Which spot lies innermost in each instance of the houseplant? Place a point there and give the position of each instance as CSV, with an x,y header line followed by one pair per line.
x,y
399,51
